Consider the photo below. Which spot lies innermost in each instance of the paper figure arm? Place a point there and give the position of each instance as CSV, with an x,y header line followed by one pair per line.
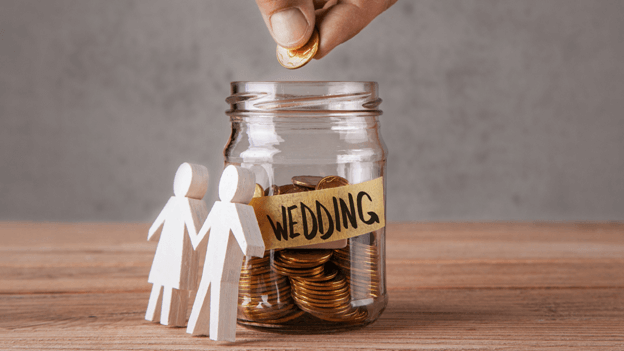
x,y
247,231
154,232
203,233
194,217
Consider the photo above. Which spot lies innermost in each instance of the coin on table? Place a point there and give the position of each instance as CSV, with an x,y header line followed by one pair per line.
x,y
306,181
331,182
295,58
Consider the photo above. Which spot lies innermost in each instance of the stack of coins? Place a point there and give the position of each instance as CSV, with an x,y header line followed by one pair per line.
x,y
263,295
359,263
301,263
317,287
322,283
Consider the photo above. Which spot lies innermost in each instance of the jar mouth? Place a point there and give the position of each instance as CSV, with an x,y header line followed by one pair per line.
x,y
297,98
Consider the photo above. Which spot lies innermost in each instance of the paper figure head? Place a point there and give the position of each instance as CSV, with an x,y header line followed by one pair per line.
x,y
237,185
191,180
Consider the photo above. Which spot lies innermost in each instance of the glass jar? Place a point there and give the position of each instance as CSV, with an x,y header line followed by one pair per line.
x,y
319,130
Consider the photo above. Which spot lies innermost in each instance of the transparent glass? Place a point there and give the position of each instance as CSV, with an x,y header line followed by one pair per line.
x,y
281,130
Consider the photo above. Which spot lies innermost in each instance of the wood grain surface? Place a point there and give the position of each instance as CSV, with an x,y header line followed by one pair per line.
x,y
477,286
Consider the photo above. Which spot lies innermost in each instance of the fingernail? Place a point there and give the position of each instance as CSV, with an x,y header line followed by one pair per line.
x,y
289,26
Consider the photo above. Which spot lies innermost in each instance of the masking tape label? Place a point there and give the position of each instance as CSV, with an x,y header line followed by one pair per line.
x,y
320,216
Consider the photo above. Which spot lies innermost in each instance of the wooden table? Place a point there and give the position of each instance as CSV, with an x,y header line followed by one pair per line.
x,y
452,286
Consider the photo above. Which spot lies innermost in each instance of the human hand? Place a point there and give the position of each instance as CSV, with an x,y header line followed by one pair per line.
x,y
291,22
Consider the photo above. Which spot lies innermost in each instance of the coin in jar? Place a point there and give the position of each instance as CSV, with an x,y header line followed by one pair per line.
x,y
306,181
304,256
296,58
331,182
272,190
258,191
291,189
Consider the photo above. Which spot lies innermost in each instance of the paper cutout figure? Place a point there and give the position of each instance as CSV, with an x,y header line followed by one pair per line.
x,y
174,270
234,232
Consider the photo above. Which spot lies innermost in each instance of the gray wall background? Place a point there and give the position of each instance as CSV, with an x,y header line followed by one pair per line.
x,y
493,109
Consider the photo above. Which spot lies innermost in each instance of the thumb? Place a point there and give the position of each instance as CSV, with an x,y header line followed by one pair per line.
x,y
290,22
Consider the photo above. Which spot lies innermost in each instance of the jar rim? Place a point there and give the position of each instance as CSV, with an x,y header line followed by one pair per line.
x,y
295,98
303,81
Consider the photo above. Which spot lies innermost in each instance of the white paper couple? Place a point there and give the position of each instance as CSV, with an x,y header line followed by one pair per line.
x,y
182,229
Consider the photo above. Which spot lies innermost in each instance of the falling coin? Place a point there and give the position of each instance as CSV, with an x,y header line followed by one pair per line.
x,y
295,58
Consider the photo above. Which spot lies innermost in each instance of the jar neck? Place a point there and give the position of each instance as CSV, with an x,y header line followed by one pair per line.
x,y
346,125
304,99
274,139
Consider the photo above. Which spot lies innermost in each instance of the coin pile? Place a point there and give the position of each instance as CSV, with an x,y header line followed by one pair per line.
x,y
318,288
359,262
322,283
263,295
301,263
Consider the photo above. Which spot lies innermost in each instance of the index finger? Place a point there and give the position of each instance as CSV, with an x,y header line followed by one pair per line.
x,y
344,20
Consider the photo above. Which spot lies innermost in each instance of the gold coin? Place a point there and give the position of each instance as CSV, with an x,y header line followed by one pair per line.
x,y
326,276
291,189
298,265
262,283
322,294
272,315
295,58
353,316
274,189
306,256
321,312
258,192
256,270
270,322
271,312
258,273
331,182
331,285
358,285
306,181
287,318
359,249
258,289
357,266
261,288
297,272
321,303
